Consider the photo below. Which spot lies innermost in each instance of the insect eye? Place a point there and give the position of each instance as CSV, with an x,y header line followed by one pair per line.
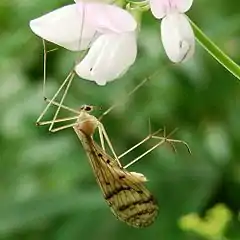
x,y
86,108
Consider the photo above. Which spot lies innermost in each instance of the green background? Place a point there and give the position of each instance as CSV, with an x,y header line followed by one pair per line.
x,y
47,189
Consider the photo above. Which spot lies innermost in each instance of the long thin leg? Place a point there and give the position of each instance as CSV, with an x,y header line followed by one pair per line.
x,y
50,102
62,106
103,132
63,120
174,141
128,95
140,143
81,26
44,68
144,154
101,139
58,120
45,77
81,30
63,127
163,140
55,95
61,102
45,51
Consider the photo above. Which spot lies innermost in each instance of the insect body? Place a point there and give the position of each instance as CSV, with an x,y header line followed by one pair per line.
x,y
124,191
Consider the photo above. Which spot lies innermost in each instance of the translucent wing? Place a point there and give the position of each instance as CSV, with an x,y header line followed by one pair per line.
x,y
124,192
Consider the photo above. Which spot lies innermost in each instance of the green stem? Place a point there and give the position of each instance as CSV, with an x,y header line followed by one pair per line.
x,y
216,52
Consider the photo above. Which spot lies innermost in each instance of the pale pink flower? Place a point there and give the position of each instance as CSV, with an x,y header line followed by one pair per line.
x,y
176,31
107,30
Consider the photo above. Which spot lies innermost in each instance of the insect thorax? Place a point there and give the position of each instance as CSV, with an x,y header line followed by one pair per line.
x,y
86,123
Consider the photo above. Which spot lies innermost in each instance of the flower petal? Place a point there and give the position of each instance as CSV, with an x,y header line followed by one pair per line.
x,y
109,18
109,58
63,27
161,8
183,5
177,37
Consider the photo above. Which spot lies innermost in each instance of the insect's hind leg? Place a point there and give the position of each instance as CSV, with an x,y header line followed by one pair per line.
x,y
164,139
140,143
172,141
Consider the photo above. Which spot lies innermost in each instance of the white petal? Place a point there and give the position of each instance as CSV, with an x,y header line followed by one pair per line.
x,y
63,27
183,5
109,18
109,58
160,8
177,37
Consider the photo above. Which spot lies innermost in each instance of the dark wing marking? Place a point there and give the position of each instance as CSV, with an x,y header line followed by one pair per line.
x,y
125,193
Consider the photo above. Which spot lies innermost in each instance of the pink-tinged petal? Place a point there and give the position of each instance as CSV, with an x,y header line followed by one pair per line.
x,y
66,26
183,5
160,8
177,37
109,18
109,58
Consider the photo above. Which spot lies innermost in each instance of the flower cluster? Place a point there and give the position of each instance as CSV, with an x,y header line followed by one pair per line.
x,y
110,34
177,34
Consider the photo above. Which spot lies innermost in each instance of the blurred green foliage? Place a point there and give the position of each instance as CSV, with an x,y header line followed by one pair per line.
x,y
212,226
47,190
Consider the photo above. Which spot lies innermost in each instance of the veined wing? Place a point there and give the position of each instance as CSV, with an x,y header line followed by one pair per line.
x,y
124,192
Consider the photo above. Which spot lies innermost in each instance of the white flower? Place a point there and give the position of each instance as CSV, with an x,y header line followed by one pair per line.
x,y
107,30
176,31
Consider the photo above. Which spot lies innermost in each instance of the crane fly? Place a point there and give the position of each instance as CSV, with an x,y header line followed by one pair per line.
x,y
125,192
